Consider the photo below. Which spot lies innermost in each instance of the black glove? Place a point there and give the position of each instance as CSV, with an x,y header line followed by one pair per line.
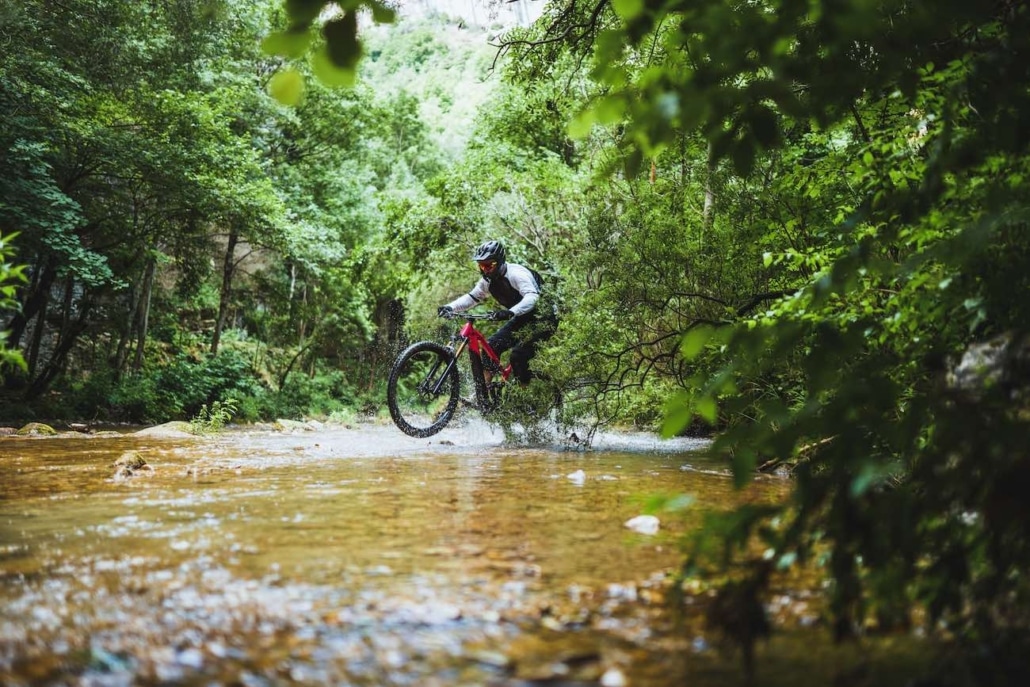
x,y
498,315
445,311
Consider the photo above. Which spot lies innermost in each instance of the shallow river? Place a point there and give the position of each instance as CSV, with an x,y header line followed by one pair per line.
x,y
359,556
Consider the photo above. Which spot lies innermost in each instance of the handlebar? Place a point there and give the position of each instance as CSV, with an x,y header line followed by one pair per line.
x,y
489,316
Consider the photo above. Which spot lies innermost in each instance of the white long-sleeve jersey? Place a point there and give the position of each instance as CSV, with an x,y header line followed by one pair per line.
x,y
515,289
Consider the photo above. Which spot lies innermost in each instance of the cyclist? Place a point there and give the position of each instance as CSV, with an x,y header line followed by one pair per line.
x,y
517,289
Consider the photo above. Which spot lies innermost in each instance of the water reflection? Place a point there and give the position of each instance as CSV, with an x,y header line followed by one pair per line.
x,y
344,556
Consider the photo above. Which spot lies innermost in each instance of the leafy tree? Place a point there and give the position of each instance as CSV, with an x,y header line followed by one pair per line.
x,y
8,275
141,148
878,158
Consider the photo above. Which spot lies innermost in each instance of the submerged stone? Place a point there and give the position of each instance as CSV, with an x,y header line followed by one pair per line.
x,y
128,464
131,460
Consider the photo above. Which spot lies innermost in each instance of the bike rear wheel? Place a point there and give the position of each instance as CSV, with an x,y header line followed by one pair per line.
x,y
422,392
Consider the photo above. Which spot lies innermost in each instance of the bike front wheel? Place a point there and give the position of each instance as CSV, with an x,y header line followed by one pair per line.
x,y
422,393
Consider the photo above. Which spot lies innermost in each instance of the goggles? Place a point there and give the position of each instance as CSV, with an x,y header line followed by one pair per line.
x,y
487,266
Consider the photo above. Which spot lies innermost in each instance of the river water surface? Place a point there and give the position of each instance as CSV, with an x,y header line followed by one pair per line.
x,y
359,556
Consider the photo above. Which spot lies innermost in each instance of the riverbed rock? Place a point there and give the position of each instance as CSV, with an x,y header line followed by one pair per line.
x,y
644,524
556,658
1001,363
130,464
36,429
292,426
170,430
613,677
130,459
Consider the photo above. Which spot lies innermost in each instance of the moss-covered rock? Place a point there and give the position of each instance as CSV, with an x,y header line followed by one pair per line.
x,y
36,429
131,460
170,430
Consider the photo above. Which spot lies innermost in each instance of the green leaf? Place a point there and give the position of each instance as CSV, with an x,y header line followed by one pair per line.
x,y
328,73
582,124
786,561
694,341
381,14
632,163
678,414
287,86
668,503
628,9
610,110
764,126
341,41
744,462
303,12
678,503
293,43
743,154
676,420
706,407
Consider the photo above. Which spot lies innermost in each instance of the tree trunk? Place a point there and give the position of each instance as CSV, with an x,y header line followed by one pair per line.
x,y
292,318
708,214
228,267
302,322
143,310
69,335
289,368
121,354
37,334
34,301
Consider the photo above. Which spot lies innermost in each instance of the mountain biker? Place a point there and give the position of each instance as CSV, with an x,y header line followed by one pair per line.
x,y
517,289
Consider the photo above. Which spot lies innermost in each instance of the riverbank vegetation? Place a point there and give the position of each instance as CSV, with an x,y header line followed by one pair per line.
x,y
802,224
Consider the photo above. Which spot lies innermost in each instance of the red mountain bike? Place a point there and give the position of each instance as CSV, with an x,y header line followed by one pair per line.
x,y
425,387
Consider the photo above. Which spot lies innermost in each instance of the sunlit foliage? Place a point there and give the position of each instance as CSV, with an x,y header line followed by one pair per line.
x,y
878,187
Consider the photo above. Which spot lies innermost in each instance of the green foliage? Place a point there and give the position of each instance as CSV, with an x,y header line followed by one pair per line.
x,y
9,275
175,390
131,172
438,73
835,216
326,30
213,419
898,471
310,396
785,222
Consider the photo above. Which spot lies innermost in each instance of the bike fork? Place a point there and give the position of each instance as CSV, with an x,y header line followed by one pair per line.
x,y
439,380
450,365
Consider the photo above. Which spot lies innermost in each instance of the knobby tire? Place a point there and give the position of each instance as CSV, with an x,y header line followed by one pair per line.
x,y
415,409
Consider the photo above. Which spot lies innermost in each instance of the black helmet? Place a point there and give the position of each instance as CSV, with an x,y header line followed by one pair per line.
x,y
491,250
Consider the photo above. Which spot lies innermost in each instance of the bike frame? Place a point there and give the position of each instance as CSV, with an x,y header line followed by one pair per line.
x,y
468,337
426,386
477,343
